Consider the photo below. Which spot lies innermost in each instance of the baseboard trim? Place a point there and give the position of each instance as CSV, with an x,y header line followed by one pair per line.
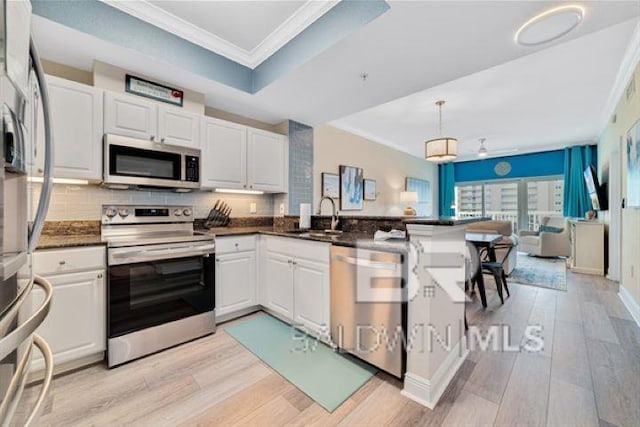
x,y
630,303
428,392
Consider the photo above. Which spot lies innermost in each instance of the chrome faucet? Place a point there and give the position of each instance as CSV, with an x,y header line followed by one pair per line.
x,y
334,213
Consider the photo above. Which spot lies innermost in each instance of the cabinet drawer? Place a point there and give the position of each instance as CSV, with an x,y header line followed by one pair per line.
x,y
56,261
296,248
230,244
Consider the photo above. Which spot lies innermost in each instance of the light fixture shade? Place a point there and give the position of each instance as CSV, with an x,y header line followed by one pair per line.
x,y
408,196
441,149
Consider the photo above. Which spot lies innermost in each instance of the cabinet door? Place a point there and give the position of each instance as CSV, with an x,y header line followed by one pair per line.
x,y
235,282
311,295
76,113
267,164
279,284
75,326
178,127
130,116
224,155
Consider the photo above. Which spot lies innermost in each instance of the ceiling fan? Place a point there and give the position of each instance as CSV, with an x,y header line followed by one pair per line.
x,y
483,152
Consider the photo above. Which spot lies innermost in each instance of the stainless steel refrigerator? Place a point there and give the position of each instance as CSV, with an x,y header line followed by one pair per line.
x,y
22,86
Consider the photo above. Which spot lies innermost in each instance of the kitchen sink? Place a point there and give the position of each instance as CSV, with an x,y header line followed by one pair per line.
x,y
317,233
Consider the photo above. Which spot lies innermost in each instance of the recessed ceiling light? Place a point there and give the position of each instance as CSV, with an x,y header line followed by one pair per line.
x,y
549,25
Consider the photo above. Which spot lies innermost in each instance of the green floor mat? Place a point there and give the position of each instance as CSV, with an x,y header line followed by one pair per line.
x,y
329,378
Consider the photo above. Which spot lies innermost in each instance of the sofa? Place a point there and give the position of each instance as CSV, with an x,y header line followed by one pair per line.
x,y
546,243
505,228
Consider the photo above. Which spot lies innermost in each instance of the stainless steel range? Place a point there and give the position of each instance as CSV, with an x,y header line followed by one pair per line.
x,y
161,284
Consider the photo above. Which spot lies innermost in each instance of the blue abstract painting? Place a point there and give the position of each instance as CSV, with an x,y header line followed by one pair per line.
x,y
351,188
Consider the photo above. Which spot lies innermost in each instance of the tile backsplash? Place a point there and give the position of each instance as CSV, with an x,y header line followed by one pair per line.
x,y
84,202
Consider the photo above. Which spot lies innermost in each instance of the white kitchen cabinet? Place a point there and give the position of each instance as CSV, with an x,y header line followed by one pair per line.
x,y
178,127
76,112
278,284
131,116
267,161
311,281
76,115
296,282
137,117
224,154
76,325
235,282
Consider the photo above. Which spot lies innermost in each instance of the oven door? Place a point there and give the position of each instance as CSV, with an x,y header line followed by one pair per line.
x,y
158,287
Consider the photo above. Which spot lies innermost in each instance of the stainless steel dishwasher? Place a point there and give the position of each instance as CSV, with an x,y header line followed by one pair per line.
x,y
368,306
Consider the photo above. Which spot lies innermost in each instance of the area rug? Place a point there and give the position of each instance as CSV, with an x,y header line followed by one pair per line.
x,y
327,377
543,272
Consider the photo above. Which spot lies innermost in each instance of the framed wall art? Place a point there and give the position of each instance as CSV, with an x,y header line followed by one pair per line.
x,y
330,185
351,188
370,193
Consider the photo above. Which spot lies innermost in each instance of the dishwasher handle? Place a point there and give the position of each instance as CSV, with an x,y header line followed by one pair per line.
x,y
362,262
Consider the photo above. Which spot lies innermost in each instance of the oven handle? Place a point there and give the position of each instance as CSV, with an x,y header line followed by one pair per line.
x,y
155,253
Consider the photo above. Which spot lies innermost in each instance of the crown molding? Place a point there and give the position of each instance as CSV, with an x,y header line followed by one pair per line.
x,y
304,16
625,72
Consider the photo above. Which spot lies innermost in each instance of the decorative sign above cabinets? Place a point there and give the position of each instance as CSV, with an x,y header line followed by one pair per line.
x,y
142,87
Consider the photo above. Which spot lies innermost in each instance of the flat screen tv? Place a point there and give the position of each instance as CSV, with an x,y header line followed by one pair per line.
x,y
597,192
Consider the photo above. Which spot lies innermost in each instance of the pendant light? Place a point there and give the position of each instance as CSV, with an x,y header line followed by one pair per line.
x,y
443,148
482,152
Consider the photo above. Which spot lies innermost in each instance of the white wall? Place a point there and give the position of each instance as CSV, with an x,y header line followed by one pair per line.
x,y
387,166
627,112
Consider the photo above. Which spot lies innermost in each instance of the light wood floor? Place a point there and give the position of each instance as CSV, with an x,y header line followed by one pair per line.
x,y
588,374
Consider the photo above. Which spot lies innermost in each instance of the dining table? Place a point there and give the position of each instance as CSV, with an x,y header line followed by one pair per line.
x,y
481,241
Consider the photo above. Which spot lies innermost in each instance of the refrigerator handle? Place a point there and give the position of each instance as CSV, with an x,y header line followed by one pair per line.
x,y
47,185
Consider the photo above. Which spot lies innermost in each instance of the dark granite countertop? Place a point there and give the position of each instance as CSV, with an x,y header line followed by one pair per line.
x,y
54,242
351,239
236,231
446,221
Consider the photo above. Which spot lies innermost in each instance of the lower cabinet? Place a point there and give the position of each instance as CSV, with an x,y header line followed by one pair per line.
x,y
75,328
296,282
311,295
236,276
236,279
278,282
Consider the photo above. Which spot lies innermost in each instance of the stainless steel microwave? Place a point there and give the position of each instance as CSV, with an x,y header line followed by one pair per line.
x,y
131,163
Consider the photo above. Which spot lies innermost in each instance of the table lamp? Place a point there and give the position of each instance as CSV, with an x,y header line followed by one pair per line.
x,y
409,197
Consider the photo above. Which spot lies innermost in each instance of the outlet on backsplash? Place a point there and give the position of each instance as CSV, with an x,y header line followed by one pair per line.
x,y
252,208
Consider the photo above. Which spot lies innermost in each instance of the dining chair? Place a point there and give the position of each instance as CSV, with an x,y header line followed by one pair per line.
x,y
472,266
496,268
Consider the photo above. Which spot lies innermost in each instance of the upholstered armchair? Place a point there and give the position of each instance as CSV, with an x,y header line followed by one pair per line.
x,y
506,229
545,243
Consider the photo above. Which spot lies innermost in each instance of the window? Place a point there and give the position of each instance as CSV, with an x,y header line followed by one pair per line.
x,y
523,202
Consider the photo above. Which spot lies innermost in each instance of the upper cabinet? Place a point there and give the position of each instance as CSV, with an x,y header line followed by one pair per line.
x,y
178,127
224,155
76,120
240,157
137,117
267,161
130,116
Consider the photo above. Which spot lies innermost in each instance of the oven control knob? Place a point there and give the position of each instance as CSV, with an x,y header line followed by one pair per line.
x,y
187,212
177,212
110,212
124,213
